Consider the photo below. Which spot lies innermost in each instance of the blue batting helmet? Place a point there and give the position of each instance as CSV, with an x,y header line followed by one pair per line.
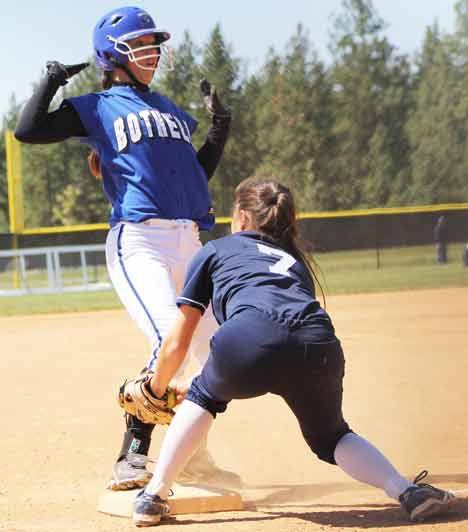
x,y
118,26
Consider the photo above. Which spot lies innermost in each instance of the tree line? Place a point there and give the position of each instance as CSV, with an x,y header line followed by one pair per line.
x,y
369,128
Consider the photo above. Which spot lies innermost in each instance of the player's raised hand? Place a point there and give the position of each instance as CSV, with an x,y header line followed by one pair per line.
x,y
211,99
63,72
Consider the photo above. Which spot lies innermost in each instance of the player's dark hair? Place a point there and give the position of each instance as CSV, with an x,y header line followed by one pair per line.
x,y
107,79
273,212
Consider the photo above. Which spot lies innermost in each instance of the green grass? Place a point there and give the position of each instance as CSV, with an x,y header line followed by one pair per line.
x,y
345,272
409,268
37,278
58,303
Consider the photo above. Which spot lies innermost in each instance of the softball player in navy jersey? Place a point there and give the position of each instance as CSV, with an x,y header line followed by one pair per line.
x,y
156,183
274,337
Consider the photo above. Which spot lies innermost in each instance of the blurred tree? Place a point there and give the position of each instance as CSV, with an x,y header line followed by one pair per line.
x,y
181,84
371,103
460,45
294,122
246,131
437,128
424,59
461,23
222,69
388,156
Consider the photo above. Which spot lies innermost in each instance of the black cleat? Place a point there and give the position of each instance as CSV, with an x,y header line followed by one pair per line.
x,y
423,500
149,510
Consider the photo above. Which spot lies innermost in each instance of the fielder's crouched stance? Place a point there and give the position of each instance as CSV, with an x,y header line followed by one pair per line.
x,y
274,337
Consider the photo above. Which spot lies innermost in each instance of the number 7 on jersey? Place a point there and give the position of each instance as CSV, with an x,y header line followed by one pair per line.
x,y
285,259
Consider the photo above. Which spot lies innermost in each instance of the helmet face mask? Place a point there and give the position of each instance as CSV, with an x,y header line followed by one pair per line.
x,y
116,28
138,55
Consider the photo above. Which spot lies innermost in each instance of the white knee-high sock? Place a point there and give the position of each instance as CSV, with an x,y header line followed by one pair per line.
x,y
361,460
185,433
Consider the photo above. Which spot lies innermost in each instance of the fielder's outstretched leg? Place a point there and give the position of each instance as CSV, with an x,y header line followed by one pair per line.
x,y
318,410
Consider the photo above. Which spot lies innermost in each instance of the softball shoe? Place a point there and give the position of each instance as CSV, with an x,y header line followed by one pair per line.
x,y
421,501
149,510
130,473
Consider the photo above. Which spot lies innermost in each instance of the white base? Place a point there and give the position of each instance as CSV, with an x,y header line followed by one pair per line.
x,y
186,500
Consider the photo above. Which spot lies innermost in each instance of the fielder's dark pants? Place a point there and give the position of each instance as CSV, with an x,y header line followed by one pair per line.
x,y
251,355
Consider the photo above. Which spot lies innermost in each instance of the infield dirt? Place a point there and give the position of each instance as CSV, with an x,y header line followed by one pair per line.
x,y
405,390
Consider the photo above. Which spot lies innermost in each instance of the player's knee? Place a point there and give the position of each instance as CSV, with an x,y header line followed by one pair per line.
x,y
200,396
324,445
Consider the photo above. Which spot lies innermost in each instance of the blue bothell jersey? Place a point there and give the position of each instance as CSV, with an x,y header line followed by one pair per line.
x,y
247,270
148,163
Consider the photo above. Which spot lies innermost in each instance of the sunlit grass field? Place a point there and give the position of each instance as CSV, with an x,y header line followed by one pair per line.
x,y
344,272
37,278
394,269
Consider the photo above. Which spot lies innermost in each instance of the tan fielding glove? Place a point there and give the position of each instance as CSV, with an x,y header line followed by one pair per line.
x,y
136,399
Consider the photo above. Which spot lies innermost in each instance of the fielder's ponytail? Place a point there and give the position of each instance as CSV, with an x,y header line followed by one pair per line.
x,y
273,213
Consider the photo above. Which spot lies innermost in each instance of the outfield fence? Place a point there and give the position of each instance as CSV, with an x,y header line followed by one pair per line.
x,y
53,269
51,260
322,231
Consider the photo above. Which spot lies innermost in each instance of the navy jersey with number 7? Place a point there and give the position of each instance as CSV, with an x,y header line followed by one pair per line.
x,y
246,270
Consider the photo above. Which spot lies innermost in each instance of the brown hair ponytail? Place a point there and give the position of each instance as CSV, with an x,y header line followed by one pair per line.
x,y
94,165
273,213
107,79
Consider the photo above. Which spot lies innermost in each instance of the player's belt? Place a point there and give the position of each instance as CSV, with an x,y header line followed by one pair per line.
x,y
174,224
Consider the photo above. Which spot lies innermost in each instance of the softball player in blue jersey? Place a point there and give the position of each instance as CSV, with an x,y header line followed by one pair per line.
x,y
274,337
156,183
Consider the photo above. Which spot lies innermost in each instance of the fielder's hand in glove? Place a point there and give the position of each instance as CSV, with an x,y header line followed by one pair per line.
x,y
62,73
212,103
137,399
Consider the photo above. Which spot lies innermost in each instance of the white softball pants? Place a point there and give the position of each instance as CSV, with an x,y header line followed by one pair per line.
x,y
147,263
